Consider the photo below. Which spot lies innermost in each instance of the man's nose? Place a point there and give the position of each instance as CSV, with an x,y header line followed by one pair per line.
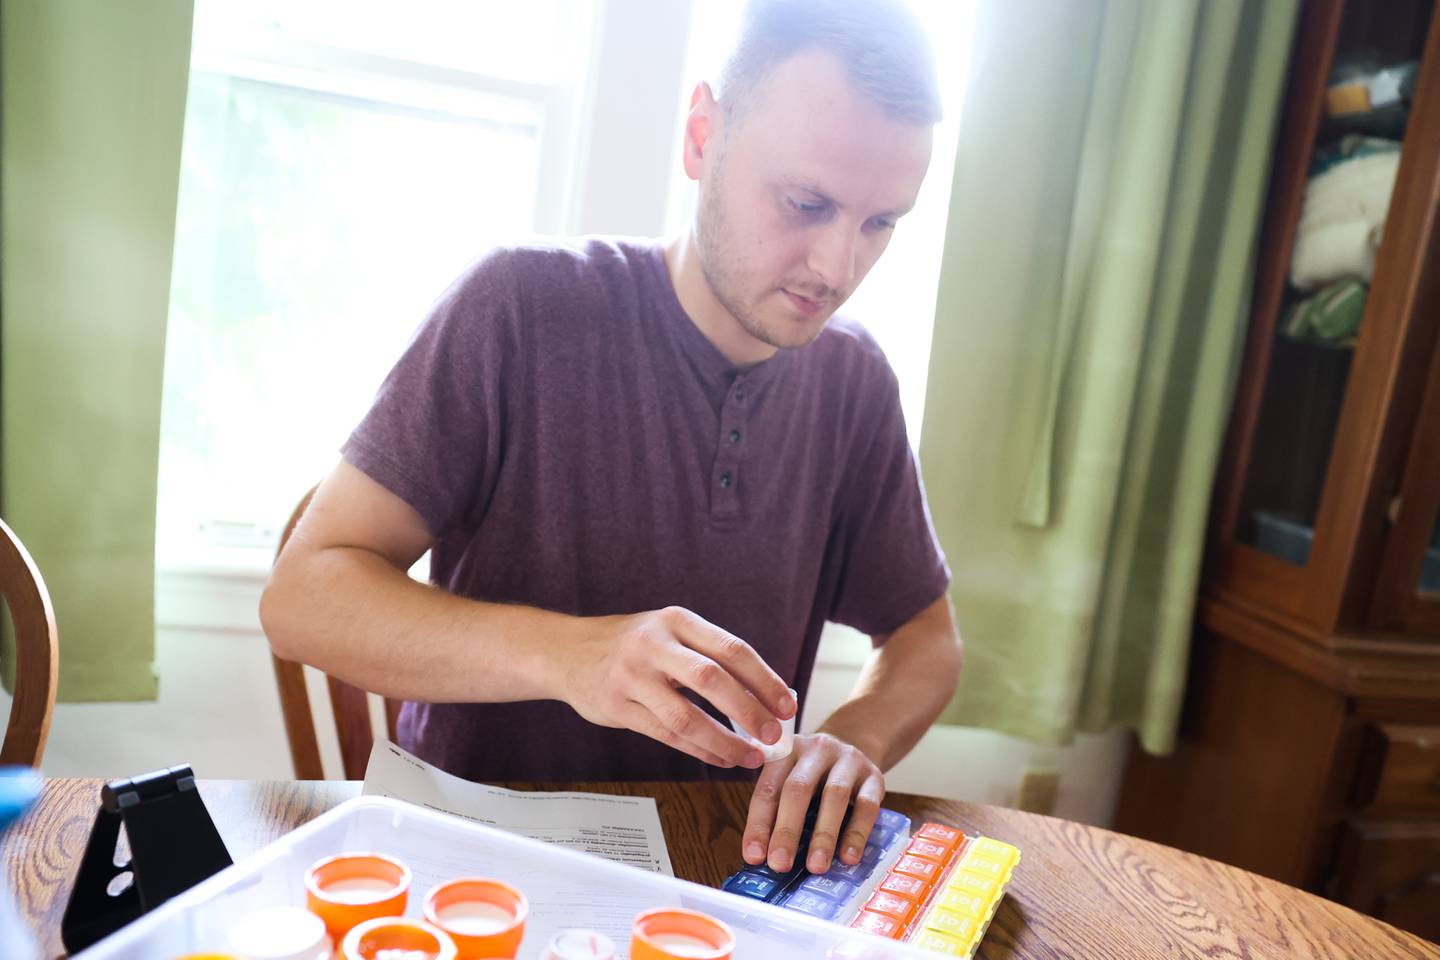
x,y
832,255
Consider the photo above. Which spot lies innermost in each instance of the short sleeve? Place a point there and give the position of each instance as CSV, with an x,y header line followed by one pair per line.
x,y
892,566
434,434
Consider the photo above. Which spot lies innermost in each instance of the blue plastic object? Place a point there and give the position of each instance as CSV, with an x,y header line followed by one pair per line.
x,y
829,895
19,789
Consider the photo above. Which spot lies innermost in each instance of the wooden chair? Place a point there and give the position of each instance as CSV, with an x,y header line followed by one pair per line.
x,y
349,705
37,653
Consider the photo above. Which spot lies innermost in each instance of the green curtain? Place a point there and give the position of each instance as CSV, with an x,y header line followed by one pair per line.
x,y
93,107
1095,287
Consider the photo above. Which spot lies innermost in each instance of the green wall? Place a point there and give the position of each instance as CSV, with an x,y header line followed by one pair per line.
x,y
93,109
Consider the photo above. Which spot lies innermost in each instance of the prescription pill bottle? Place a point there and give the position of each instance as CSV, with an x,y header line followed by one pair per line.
x,y
354,887
384,938
781,748
485,918
673,933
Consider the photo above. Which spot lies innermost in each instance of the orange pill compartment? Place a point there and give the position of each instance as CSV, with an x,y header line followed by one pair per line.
x,y
942,893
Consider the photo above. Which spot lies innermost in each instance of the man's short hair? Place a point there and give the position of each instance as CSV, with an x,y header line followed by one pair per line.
x,y
882,45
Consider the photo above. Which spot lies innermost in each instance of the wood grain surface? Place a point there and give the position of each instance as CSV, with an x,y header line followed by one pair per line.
x,y
1079,891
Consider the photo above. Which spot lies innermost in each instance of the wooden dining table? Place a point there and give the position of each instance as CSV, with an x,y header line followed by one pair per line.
x,y
1079,891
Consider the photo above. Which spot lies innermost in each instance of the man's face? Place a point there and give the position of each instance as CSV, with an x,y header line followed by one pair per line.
x,y
799,196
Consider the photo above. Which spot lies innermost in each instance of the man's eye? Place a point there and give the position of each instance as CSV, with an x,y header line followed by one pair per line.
x,y
883,223
805,207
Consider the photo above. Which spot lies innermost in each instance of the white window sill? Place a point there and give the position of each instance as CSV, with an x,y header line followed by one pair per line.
x,y
194,560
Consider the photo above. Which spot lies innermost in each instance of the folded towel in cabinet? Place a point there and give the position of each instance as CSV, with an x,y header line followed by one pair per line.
x,y
1342,221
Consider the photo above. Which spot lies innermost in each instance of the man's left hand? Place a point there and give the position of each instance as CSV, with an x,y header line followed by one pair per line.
x,y
843,774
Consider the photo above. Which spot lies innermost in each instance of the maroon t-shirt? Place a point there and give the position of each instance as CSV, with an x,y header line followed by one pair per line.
x,y
575,443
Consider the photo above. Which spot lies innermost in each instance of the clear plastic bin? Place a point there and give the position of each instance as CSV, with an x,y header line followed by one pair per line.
x,y
566,888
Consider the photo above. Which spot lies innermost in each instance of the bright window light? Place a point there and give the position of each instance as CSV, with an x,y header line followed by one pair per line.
x,y
342,163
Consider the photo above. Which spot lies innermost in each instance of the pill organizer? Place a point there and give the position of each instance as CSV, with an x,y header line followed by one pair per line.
x,y
565,889
942,892
936,889
838,893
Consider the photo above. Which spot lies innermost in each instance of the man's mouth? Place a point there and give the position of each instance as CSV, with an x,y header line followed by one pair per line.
x,y
806,305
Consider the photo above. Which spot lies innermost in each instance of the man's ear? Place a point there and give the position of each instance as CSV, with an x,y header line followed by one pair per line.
x,y
701,125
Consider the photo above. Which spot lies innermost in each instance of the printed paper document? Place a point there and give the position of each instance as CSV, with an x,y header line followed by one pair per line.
x,y
624,829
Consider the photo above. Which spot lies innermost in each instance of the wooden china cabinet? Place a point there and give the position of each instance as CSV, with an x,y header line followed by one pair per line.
x,y
1309,748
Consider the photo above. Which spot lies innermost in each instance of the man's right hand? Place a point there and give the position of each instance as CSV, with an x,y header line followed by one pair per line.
x,y
625,671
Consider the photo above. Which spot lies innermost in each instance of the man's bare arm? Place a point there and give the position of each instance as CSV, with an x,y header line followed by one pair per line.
x,y
902,688
339,599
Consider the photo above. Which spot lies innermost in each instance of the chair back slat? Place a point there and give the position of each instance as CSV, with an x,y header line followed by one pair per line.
x,y
392,719
351,708
299,719
37,653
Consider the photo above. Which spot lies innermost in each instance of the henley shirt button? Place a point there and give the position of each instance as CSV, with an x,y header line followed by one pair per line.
x,y
740,392
724,479
734,436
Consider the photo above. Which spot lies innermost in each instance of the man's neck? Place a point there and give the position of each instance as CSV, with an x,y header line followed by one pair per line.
x,y
707,313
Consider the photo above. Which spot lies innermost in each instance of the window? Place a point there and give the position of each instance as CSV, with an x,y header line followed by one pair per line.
x,y
341,164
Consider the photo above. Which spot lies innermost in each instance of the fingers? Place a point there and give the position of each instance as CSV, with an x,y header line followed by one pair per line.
x,y
741,663
633,683
799,786
865,810
846,781
840,785
687,722
636,716
764,805
696,671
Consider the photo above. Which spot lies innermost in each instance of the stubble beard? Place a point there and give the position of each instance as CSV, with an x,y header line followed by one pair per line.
x,y
718,259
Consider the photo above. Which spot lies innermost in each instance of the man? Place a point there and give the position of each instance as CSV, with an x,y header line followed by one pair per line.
x,y
649,474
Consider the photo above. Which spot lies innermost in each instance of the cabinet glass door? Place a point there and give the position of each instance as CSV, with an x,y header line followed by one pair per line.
x,y
1351,175
1430,567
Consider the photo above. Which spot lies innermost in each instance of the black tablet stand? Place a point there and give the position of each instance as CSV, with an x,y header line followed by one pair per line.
x,y
173,846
